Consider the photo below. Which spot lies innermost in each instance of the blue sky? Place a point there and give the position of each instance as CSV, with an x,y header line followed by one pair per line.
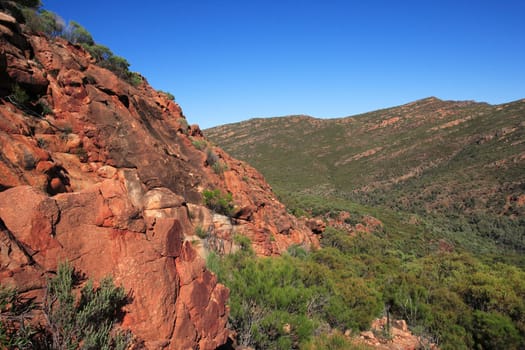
x,y
231,60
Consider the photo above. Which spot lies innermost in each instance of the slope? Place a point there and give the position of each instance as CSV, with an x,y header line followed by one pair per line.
x,y
460,161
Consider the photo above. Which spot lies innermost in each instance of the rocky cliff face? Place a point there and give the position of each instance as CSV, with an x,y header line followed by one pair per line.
x,y
107,175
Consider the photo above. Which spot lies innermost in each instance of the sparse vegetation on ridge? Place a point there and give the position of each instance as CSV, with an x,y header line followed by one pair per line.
x,y
43,21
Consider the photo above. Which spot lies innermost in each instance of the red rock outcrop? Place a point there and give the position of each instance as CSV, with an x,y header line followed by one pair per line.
x,y
106,175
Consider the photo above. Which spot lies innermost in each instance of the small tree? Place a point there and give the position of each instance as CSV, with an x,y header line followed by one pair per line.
x,y
77,34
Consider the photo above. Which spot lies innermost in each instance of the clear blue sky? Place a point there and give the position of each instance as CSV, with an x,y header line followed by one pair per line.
x,y
231,60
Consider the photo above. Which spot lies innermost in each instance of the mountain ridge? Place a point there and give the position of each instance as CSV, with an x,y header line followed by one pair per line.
x,y
407,156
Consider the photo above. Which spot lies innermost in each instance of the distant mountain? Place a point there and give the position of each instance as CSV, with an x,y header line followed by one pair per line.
x,y
454,159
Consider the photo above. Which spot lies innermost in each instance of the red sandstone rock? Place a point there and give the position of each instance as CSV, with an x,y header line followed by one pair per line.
x,y
111,181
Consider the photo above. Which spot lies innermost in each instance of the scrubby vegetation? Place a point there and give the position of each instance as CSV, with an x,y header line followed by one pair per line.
x,y
221,203
451,298
84,322
281,303
445,180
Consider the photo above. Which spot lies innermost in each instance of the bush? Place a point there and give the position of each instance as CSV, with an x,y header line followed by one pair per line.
x,y
199,144
43,21
15,331
218,202
494,331
201,232
51,24
281,302
219,167
88,320
84,322
243,242
19,95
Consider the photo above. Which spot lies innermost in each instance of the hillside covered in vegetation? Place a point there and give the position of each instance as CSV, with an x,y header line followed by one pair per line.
x,y
114,212
445,181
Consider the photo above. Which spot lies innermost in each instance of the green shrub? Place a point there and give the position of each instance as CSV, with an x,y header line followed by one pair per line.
x,y
219,202
297,251
199,144
19,95
87,321
243,242
134,78
201,232
15,330
495,331
280,302
43,21
219,167
99,52
45,109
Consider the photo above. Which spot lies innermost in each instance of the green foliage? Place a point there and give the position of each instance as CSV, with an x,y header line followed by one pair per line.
x,y
99,52
43,21
244,243
297,251
219,167
51,24
19,95
77,34
219,202
15,331
280,303
495,331
201,232
200,144
45,109
30,3
86,322
134,78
